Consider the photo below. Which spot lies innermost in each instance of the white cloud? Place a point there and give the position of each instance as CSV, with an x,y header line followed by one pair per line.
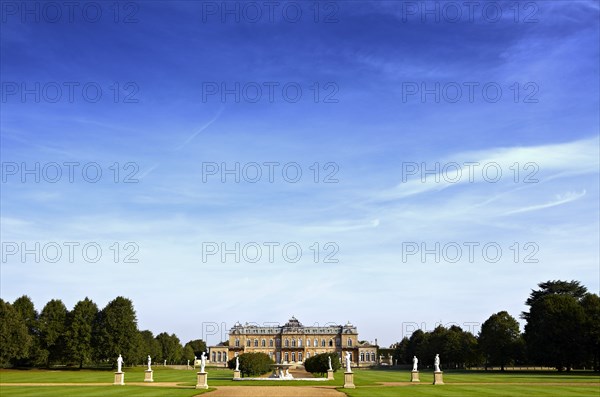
x,y
560,199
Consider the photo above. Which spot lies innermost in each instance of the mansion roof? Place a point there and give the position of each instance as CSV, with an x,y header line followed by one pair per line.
x,y
293,326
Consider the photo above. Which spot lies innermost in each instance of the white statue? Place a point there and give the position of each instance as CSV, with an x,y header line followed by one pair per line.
x,y
415,363
149,363
348,362
329,361
237,363
119,363
165,363
436,363
202,361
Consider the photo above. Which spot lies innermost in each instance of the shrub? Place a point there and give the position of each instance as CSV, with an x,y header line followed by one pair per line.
x,y
319,364
252,364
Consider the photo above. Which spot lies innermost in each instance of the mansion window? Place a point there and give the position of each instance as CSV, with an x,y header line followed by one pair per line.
x,y
248,343
219,356
300,344
270,342
362,356
287,356
307,355
349,342
287,343
293,344
237,343
255,342
214,356
330,342
372,356
293,356
316,343
322,342
308,342
263,343
300,356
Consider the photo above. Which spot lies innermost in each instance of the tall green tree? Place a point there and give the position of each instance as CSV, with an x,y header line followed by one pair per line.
x,y
14,338
25,307
453,349
139,355
418,345
170,347
436,345
401,355
470,347
52,326
591,308
198,346
554,331
80,330
150,346
117,331
554,287
499,339
188,353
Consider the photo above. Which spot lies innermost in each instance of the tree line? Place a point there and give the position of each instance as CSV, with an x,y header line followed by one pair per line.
x,y
562,330
84,336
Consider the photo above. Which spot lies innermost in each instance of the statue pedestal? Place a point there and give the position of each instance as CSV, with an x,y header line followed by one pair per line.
x,y
148,376
329,374
438,378
201,383
236,374
414,376
349,380
119,378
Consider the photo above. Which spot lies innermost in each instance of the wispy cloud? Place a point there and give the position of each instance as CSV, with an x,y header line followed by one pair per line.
x,y
516,165
560,199
201,129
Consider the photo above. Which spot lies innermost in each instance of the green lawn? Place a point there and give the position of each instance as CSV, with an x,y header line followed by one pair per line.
x,y
372,377
96,391
475,391
216,377
94,376
539,384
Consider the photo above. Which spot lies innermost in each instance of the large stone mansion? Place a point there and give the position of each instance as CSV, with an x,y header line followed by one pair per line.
x,y
294,343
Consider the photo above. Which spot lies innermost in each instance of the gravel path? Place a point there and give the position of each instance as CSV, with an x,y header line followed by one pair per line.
x,y
275,391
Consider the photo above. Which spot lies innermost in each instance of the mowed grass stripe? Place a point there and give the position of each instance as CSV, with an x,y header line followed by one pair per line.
x,y
96,391
497,390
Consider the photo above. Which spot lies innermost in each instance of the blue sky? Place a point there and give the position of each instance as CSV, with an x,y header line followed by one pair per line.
x,y
367,128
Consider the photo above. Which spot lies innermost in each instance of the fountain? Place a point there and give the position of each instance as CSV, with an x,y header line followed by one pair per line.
x,y
281,372
278,371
